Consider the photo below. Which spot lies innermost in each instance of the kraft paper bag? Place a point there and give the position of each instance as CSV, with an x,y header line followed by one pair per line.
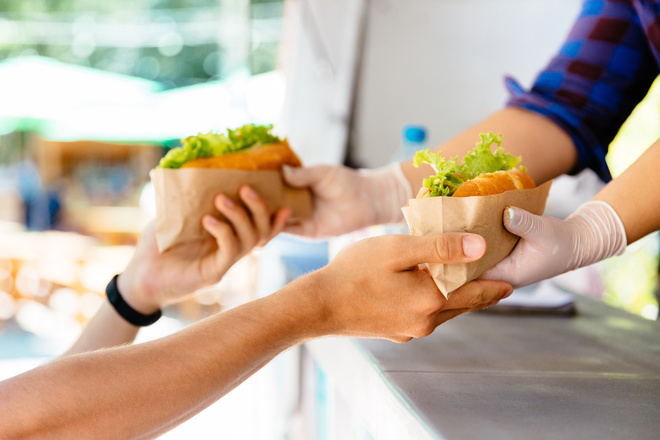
x,y
184,195
480,215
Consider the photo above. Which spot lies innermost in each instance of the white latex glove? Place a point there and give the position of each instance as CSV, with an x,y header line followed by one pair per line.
x,y
346,199
550,246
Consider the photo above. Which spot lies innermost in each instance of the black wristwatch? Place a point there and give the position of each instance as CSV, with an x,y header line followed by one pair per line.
x,y
126,311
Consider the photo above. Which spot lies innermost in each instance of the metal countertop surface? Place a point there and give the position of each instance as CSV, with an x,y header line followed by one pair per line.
x,y
594,375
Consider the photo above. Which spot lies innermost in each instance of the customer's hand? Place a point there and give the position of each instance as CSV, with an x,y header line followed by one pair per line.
x,y
549,246
375,288
152,280
346,199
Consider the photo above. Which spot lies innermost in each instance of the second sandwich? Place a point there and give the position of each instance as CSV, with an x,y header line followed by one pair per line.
x,y
482,173
188,178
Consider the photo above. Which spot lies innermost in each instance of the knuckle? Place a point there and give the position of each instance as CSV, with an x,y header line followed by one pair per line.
x,y
424,329
475,294
224,232
256,206
434,304
443,248
482,296
249,243
331,174
231,249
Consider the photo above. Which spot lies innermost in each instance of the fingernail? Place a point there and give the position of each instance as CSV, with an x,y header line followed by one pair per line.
x,y
286,170
473,246
210,219
508,293
509,215
228,202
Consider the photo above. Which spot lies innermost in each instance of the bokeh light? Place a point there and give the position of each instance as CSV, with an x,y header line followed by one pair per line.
x,y
29,284
7,305
65,301
40,320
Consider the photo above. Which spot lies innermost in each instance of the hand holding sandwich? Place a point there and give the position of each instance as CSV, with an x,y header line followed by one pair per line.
x,y
152,279
163,278
550,246
346,199
621,213
394,298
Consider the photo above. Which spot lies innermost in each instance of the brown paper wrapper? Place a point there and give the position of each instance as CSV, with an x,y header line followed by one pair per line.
x,y
480,215
184,195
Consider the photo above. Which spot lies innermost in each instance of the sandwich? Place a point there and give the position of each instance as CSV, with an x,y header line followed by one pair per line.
x,y
447,203
482,173
188,178
250,148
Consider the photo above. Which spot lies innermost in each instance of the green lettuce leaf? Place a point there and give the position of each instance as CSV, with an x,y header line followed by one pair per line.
x,y
481,160
446,179
217,144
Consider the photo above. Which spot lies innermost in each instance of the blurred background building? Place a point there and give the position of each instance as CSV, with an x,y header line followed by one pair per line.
x,y
93,93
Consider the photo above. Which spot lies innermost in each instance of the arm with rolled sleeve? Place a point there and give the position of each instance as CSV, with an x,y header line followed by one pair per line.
x,y
580,100
602,71
562,125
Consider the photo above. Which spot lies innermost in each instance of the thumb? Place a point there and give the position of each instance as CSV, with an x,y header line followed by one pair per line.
x,y
523,223
302,176
447,248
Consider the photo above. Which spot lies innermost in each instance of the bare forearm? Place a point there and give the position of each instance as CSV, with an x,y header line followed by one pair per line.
x,y
106,329
635,197
547,150
143,390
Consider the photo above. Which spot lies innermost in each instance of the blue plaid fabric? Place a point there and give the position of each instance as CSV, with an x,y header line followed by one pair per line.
x,y
603,70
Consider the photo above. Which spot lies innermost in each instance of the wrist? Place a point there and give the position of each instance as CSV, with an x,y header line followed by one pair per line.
x,y
389,190
311,317
601,233
124,310
136,293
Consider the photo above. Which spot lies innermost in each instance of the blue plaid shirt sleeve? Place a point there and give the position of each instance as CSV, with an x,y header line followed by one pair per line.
x,y
603,70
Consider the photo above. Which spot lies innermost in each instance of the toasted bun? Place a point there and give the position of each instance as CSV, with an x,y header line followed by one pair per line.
x,y
260,157
495,183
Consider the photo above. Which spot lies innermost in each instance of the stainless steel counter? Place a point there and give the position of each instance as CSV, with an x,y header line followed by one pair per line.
x,y
595,375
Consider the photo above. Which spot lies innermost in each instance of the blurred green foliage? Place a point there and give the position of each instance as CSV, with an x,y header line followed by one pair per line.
x,y
631,280
174,42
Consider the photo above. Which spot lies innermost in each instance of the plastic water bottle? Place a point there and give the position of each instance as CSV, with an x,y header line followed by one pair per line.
x,y
413,139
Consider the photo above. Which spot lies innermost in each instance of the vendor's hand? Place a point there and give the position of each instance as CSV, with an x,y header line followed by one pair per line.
x,y
375,288
346,199
152,279
549,246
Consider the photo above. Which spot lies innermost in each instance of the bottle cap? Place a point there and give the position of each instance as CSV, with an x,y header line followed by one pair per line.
x,y
414,133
